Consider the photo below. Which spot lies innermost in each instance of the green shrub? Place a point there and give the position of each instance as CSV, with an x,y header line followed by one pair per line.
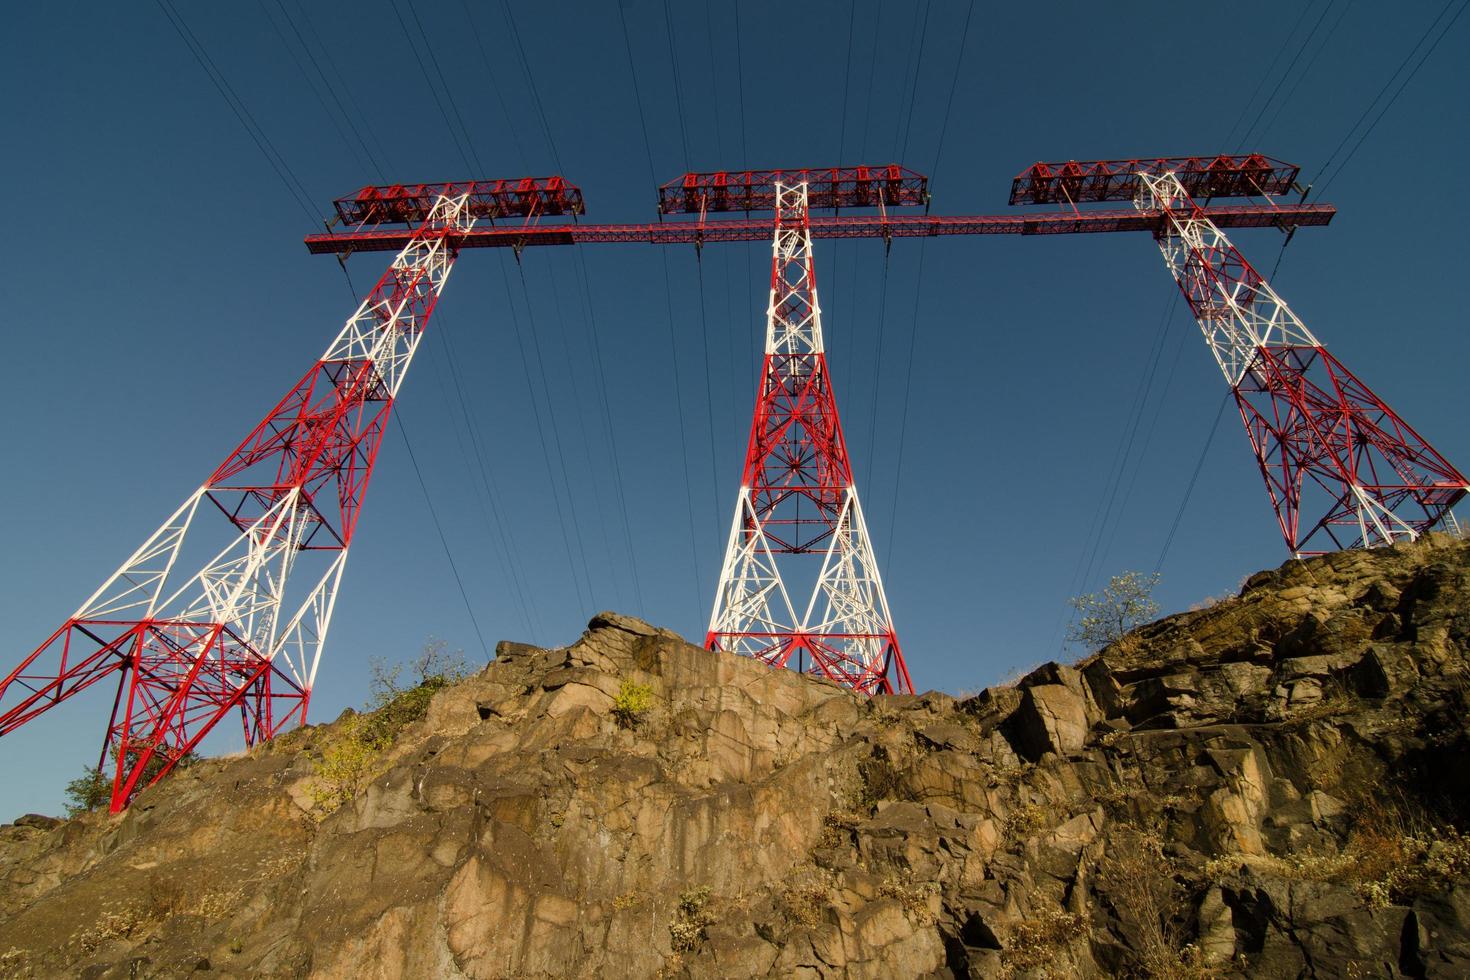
x,y
632,703
87,792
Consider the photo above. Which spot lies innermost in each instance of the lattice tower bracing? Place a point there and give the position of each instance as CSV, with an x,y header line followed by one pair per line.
x,y
1342,469
188,646
797,502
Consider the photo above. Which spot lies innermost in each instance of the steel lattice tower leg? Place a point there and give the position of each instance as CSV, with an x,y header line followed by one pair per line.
x,y
797,497
1343,470
189,648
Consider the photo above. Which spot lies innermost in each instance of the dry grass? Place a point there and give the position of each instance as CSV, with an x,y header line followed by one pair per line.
x,y
1394,853
807,897
913,896
690,919
1024,821
1035,943
1148,893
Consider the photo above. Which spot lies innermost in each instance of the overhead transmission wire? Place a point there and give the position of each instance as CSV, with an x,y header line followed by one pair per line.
x,y
835,289
1193,479
863,152
608,426
1394,98
600,372
729,331
907,119
403,430
515,133
326,54
617,456
428,80
709,411
919,292
1088,557
756,349
241,112
1290,67
360,151
464,142
494,524
312,85
540,428
1270,70
599,499
902,121
1307,70
515,34
469,140
673,348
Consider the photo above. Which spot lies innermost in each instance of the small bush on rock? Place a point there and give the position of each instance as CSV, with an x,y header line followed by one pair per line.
x,y
632,703
691,918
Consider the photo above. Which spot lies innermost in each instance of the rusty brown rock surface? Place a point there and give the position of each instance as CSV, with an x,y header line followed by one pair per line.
x,y
1269,787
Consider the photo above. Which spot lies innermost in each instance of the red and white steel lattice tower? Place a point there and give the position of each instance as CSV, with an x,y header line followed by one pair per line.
x,y
189,648
1341,467
797,498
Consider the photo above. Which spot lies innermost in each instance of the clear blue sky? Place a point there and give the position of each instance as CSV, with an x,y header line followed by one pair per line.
x,y
158,301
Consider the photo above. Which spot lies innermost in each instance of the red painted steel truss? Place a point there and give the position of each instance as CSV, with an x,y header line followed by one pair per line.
x,y
243,634
1342,469
798,504
1068,222
887,186
1072,183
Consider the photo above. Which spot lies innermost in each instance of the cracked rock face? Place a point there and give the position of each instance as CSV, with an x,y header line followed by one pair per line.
x,y
1270,787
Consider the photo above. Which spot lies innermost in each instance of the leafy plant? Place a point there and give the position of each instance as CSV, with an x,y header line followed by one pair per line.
x,y
354,755
93,788
1105,617
87,792
632,703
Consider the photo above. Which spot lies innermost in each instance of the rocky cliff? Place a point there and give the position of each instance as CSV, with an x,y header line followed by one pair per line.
x,y
1270,787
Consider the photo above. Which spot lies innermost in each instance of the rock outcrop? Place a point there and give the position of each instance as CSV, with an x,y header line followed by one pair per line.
x,y
1269,787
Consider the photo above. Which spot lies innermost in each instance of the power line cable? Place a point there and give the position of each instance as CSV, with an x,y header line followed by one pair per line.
x,y
612,437
919,291
1311,63
1389,104
668,301
366,153
515,35
1193,479
312,85
877,370
592,472
381,154
709,406
484,495
1382,91
495,86
908,118
1270,70
540,430
469,140
429,503
556,438
678,86
683,430
1291,66
241,112
428,80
